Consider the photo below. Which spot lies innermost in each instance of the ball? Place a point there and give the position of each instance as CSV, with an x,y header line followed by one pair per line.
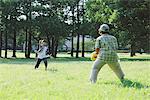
x,y
93,56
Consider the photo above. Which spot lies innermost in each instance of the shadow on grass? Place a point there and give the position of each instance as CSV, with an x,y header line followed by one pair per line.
x,y
16,60
133,84
129,84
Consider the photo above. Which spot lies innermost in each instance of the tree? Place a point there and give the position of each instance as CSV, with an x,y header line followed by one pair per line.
x,y
9,20
130,17
5,5
1,43
1,26
99,12
51,23
13,22
134,19
30,32
73,28
78,34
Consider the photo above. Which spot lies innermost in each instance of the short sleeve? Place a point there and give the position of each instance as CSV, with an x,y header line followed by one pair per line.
x,y
97,44
115,44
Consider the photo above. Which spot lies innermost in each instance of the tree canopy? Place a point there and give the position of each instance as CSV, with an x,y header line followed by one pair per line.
x,y
56,20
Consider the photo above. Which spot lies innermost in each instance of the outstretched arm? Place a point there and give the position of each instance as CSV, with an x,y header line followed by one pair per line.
x,y
38,51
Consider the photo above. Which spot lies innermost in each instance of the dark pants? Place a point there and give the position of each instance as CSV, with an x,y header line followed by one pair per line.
x,y
39,61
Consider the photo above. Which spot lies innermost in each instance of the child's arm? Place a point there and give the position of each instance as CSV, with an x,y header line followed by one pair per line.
x,y
38,51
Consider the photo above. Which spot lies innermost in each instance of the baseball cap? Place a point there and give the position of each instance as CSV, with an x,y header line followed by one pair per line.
x,y
104,28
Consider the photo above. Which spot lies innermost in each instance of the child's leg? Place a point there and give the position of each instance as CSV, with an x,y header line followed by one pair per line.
x,y
45,62
38,63
117,69
98,64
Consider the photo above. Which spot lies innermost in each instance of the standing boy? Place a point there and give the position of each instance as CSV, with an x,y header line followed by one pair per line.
x,y
42,54
105,48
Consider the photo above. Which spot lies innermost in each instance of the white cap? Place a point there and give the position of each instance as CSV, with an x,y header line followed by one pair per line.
x,y
104,28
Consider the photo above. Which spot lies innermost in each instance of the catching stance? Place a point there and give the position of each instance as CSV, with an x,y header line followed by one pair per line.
x,y
105,48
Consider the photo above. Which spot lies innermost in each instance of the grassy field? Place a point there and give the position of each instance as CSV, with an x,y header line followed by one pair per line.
x,y
67,79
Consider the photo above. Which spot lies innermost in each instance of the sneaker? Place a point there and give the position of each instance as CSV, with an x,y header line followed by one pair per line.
x,y
122,80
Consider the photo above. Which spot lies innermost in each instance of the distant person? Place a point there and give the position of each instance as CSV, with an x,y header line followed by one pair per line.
x,y
42,54
105,48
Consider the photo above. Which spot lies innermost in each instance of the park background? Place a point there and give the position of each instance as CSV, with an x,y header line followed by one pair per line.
x,y
70,28
72,25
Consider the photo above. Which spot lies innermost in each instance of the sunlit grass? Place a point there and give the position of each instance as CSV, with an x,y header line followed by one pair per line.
x,y
67,79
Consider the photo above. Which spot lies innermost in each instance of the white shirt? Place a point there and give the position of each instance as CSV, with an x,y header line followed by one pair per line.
x,y
42,52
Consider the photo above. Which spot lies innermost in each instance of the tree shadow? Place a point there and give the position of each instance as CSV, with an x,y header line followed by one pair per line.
x,y
50,60
134,59
59,59
133,84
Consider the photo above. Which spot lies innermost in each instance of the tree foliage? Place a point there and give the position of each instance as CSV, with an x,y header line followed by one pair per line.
x,y
56,20
134,19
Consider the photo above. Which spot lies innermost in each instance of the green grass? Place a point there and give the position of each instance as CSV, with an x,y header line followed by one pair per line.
x,y
67,79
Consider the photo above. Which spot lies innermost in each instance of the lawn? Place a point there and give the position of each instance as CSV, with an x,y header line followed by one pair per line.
x,y
67,79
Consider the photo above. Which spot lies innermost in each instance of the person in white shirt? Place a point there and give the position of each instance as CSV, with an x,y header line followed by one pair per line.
x,y
42,54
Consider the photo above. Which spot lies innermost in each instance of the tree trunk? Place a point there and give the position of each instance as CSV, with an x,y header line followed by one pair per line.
x,y
73,19
26,42
148,44
0,43
83,45
52,46
78,35
133,49
83,36
78,42
29,40
6,43
14,44
29,44
49,43
55,51
72,45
